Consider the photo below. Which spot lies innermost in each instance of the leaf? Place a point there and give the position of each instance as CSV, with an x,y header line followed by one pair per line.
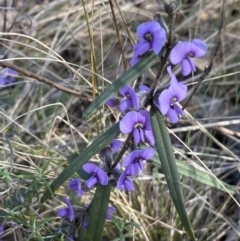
x,y
167,159
200,176
82,158
127,77
98,212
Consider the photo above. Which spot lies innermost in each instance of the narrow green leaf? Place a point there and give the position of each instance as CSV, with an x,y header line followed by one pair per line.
x,y
98,212
127,77
205,178
166,156
82,158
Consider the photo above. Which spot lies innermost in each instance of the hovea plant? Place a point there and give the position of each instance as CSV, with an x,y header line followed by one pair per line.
x,y
145,113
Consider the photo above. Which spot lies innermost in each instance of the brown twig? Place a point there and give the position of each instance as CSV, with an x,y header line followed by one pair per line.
x,y
118,34
215,51
4,64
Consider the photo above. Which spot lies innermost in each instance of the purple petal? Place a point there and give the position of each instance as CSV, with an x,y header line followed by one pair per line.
x,y
128,122
172,116
187,66
66,212
2,81
149,135
178,91
147,27
115,145
144,117
112,101
110,211
91,182
142,135
128,184
164,101
74,184
90,168
147,153
142,47
125,104
63,212
144,88
159,40
102,177
202,48
178,109
129,92
135,59
179,52
129,159
136,136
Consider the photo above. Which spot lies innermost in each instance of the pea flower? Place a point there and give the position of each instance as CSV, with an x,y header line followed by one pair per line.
x,y
131,99
75,185
98,175
124,181
7,76
168,101
139,123
134,160
183,52
152,37
66,212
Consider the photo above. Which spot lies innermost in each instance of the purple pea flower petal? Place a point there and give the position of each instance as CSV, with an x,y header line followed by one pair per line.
x,y
115,145
75,185
124,181
66,212
98,175
152,37
112,102
139,123
131,99
110,211
182,53
134,160
144,88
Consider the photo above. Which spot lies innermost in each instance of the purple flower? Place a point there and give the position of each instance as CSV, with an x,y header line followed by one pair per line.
x,y
7,76
124,181
134,160
182,53
139,123
113,102
168,101
98,175
131,99
75,185
110,211
152,37
115,145
66,212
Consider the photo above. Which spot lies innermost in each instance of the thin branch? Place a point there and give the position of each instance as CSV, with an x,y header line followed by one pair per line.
x,y
118,34
25,72
214,54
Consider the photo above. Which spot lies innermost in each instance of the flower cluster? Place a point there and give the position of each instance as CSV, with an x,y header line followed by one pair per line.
x,y
97,176
136,118
153,37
